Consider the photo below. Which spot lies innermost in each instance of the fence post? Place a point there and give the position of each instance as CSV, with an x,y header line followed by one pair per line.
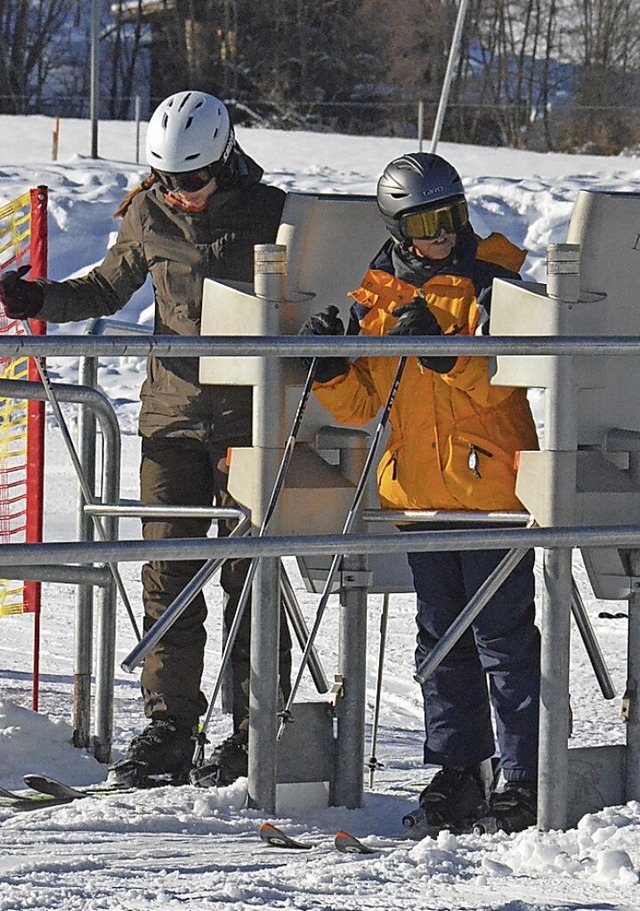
x,y
137,116
56,140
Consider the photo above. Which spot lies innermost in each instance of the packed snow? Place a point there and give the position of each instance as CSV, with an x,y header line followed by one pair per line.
x,y
183,847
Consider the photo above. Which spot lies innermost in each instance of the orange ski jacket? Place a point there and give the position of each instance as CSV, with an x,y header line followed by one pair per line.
x,y
454,436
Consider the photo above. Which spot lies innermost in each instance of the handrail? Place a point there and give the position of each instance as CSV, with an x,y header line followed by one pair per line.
x,y
325,545
312,346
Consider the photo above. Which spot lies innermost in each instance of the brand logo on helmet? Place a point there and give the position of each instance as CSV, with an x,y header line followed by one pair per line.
x,y
229,146
432,190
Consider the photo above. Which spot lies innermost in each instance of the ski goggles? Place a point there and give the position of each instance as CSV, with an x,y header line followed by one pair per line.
x,y
190,181
428,224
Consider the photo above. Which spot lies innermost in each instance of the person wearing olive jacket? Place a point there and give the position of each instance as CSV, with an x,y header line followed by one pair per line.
x,y
452,446
198,215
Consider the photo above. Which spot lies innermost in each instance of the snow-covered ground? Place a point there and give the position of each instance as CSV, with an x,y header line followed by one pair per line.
x,y
173,848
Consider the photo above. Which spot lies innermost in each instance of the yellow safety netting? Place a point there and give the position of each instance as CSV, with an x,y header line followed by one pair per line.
x,y
15,229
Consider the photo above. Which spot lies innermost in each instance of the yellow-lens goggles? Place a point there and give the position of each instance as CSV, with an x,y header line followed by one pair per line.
x,y
428,225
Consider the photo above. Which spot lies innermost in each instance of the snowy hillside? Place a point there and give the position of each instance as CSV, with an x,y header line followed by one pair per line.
x,y
199,849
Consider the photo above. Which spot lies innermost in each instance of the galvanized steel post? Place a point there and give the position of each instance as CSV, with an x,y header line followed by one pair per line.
x,y
270,286
631,706
561,435
83,624
352,648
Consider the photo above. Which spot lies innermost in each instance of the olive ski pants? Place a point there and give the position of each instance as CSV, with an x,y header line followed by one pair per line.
x,y
189,473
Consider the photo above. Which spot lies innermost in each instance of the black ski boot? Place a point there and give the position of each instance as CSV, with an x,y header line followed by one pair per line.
x,y
454,798
511,809
229,761
162,753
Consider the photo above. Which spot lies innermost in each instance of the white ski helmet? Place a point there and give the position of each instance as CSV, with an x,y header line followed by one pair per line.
x,y
187,131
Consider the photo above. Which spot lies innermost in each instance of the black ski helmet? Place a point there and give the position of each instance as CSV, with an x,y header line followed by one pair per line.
x,y
416,181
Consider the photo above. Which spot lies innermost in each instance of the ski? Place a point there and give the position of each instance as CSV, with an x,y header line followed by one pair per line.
x,y
46,785
346,843
343,842
10,795
276,838
20,802
51,787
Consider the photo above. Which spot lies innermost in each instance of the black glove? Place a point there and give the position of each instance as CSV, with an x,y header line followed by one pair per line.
x,y
327,322
415,319
20,299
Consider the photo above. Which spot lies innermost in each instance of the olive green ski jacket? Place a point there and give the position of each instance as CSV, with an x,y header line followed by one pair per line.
x,y
178,249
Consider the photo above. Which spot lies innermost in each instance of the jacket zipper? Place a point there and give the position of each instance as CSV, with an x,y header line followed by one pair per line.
x,y
473,459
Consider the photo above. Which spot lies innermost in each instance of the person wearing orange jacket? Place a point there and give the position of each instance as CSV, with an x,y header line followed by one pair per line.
x,y
452,446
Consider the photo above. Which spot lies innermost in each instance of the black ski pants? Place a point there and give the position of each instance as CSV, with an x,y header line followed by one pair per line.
x,y
494,665
190,473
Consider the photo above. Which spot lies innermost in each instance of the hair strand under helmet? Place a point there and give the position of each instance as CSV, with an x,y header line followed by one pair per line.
x,y
414,182
187,131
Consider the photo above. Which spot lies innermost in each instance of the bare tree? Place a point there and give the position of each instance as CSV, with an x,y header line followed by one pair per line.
x,y
125,57
605,36
29,49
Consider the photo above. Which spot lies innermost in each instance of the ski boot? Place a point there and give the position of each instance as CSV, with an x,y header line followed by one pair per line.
x,y
454,798
511,809
161,754
228,762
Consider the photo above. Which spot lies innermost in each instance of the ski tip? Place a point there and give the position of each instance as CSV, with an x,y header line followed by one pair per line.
x,y
275,837
346,843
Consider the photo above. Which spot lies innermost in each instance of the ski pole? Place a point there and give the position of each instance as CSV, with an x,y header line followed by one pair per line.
x,y
201,739
84,484
465,618
178,606
285,715
373,760
300,629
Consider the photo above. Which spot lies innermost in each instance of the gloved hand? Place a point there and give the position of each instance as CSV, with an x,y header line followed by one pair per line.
x,y
415,319
327,322
20,299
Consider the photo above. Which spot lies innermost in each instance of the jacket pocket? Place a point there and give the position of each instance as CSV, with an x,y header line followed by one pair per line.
x,y
392,493
480,474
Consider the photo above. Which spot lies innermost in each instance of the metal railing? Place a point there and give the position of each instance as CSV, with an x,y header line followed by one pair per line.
x,y
555,540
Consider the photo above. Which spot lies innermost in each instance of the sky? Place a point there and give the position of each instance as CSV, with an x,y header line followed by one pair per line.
x,y
184,847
